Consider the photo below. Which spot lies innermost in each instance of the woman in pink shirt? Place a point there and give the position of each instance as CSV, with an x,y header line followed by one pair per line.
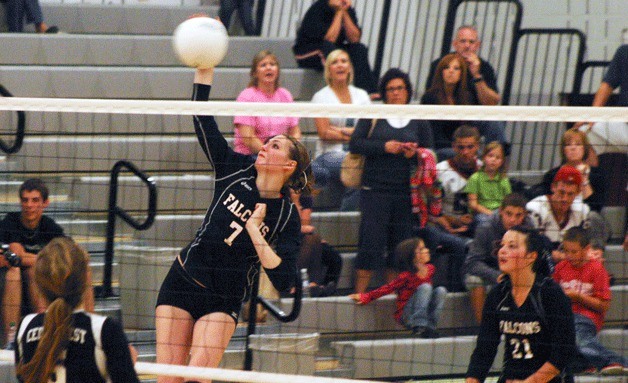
x,y
251,132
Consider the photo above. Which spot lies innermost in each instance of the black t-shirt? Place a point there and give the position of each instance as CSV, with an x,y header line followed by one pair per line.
x,y
222,257
540,330
486,70
98,349
315,25
12,230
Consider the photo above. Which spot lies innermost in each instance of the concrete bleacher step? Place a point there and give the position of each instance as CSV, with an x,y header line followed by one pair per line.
x,y
114,18
342,315
127,50
172,83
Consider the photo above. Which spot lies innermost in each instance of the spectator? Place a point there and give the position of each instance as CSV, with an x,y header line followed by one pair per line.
x,y
65,342
327,26
488,186
610,136
252,132
385,196
419,305
447,88
26,232
426,197
530,311
480,80
322,261
586,283
453,175
17,10
245,12
334,133
481,268
553,214
575,150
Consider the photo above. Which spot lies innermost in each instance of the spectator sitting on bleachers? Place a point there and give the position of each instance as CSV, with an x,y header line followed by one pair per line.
x,y
17,10
334,133
586,283
481,270
26,232
390,152
453,175
481,81
610,136
419,304
327,26
322,260
488,186
251,132
575,150
555,213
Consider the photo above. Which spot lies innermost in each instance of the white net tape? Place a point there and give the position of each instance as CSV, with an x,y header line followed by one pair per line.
x,y
144,368
298,109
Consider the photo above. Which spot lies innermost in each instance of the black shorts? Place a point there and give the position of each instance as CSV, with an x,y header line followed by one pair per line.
x,y
179,291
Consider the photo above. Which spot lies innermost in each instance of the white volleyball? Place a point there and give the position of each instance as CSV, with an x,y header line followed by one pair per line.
x,y
200,42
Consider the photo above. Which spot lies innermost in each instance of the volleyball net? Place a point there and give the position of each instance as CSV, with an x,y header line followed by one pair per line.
x,y
73,144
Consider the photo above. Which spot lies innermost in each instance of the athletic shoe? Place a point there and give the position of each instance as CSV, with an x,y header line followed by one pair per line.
x,y
430,333
612,369
418,331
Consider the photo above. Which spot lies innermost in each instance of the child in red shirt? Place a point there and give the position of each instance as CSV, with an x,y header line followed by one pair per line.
x,y
419,304
586,283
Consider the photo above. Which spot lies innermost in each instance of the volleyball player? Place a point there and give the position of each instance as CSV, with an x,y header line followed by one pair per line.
x,y
250,220
67,344
531,311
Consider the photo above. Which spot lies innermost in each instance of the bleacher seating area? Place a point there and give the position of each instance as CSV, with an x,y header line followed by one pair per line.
x,y
118,51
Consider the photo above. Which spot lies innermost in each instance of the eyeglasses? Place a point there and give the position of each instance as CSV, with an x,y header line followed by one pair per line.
x,y
395,88
463,147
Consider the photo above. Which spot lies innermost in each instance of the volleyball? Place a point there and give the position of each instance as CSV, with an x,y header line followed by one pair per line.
x,y
200,42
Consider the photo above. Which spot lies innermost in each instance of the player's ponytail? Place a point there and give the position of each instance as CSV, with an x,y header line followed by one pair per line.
x,y
302,179
61,275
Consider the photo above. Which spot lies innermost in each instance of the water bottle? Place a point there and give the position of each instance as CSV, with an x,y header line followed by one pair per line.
x,y
305,281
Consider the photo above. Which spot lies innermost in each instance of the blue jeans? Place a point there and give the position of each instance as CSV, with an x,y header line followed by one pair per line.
x,y
16,10
424,307
592,353
326,170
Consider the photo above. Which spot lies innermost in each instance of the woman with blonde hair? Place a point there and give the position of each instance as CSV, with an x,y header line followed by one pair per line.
x,y
251,132
66,343
334,133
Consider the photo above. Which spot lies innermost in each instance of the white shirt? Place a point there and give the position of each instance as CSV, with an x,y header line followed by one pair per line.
x,y
327,96
454,198
544,220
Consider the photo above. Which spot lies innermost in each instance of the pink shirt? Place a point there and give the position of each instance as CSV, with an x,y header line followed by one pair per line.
x,y
265,127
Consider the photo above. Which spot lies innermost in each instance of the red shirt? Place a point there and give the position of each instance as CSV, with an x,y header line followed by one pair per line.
x,y
404,285
591,279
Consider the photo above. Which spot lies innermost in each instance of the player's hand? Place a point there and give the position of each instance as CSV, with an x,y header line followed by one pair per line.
x,y
256,219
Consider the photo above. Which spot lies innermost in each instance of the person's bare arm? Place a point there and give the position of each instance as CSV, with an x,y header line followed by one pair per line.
x,y
475,205
352,31
592,303
328,132
600,99
336,26
486,95
28,259
295,132
249,139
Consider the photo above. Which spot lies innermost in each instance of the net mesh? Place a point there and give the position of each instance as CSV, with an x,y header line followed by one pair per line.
x,y
73,144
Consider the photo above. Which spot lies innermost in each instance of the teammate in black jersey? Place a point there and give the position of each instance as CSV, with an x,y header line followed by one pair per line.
x,y
531,311
65,344
250,220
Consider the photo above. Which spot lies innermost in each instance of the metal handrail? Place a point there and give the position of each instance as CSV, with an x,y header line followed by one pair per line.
x,y
115,210
274,311
21,127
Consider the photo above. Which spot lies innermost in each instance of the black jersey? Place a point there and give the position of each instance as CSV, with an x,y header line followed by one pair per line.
x,y
98,350
12,230
222,257
541,330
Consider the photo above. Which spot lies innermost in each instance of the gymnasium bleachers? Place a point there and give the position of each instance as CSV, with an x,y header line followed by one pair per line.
x,y
124,52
